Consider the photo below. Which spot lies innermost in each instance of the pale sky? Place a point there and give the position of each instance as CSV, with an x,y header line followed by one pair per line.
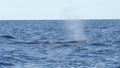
x,y
59,9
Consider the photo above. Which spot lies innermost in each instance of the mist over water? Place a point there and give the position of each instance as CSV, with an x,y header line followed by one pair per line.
x,y
76,30
73,24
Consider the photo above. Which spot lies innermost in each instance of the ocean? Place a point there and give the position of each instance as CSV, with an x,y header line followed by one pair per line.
x,y
45,44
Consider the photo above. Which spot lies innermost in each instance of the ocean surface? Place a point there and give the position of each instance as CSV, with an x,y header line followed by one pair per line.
x,y
28,44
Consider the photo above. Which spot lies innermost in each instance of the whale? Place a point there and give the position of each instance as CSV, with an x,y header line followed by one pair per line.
x,y
51,42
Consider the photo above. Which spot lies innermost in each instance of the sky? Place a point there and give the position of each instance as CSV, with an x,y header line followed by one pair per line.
x,y
59,9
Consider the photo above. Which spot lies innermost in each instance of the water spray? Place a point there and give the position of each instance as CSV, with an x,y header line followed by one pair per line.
x,y
75,30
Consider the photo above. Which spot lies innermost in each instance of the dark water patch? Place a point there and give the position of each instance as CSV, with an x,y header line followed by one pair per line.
x,y
99,44
6,64
87,56
7,37
53,61
32,42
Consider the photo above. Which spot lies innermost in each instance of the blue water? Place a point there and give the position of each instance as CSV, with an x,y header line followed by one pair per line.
x,y
101,51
